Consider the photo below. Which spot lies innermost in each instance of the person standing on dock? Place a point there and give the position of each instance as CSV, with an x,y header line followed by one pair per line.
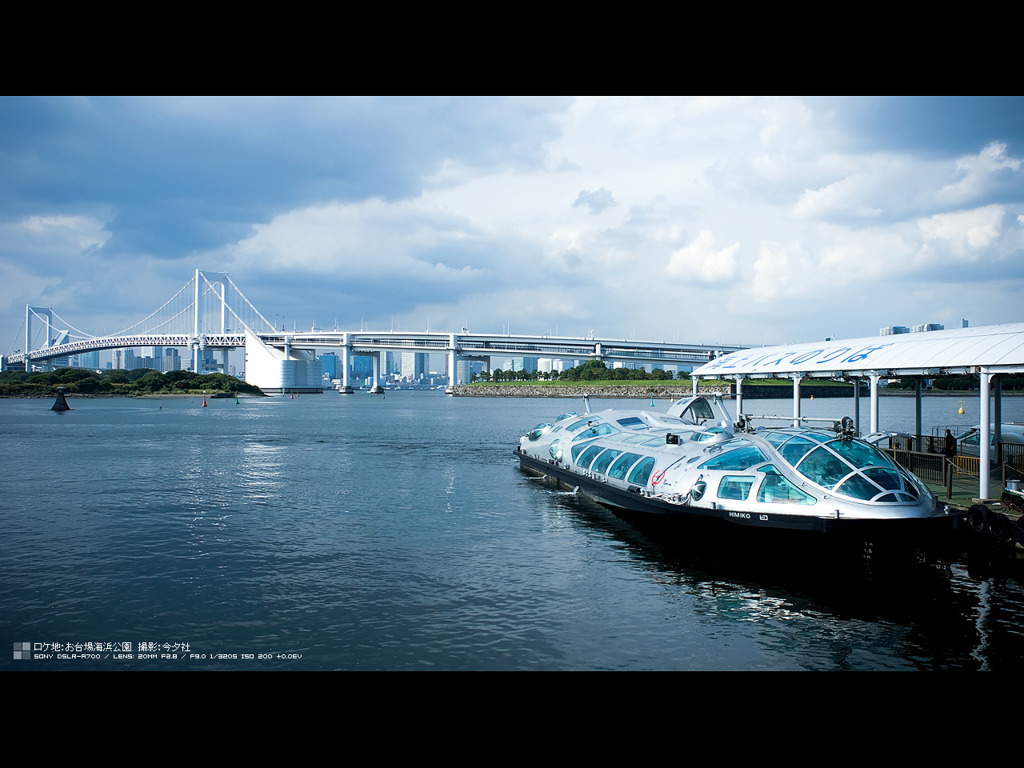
x,y
949,451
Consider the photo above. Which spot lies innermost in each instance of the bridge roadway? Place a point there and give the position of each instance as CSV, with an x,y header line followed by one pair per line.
x,y
471,345
372,343
483,346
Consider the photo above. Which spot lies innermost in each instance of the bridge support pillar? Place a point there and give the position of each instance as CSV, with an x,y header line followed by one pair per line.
x,y
376,388
452,355
346,356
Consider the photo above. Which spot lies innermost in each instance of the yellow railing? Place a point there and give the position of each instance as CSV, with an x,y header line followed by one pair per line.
x,y
967,465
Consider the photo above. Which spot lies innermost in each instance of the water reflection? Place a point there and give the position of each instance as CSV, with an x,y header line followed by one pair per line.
x,y
758,607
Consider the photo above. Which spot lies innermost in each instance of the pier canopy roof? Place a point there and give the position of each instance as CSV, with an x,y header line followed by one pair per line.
x,y
997,348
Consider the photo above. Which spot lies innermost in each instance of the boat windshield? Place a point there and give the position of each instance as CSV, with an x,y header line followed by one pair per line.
x,y
852,468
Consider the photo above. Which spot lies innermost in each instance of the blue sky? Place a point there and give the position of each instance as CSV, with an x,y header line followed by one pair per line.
x,y
745,220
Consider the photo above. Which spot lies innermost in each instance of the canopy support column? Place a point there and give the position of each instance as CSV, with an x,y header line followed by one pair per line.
x,y
917,418
874,401
986,436
856,404
997,417
739,398
796,400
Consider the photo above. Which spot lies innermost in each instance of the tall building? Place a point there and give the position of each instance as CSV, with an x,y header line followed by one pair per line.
x,y
90,360
171,360
523,364
362,366
414,365
330,363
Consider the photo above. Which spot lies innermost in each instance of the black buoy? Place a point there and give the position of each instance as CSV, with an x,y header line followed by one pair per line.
x,y
61,404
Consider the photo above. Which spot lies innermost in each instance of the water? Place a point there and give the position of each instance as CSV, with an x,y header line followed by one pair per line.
x,y
368,533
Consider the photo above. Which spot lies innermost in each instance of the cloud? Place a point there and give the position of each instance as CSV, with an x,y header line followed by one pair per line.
x,y
398,241
990,174
595,201
966,235
702,262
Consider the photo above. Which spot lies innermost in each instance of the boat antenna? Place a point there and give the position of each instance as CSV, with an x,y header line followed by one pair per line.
x,y
586,402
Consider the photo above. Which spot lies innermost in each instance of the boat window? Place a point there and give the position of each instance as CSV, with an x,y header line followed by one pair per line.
x,y
824,468
588,456
742,458
910,484
775,489
606,458
642,472
795,448
858,487
698,411
735,487
860,454
887,478
778,438
632,422
555,450
697,491
595,431
537,431
622,464
566,416
578,449
578,425
709,434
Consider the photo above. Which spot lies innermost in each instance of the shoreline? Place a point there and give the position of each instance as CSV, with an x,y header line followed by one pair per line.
x,y
662,390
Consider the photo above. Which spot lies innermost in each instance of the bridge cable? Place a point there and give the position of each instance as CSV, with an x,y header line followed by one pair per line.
x,y
136,325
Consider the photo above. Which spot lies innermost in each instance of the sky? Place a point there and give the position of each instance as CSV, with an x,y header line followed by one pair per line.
x,y
735,220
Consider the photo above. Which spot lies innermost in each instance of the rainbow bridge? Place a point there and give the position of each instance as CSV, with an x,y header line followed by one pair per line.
x,y
210,314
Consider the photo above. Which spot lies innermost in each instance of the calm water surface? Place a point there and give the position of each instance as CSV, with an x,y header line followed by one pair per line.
x,y
368,533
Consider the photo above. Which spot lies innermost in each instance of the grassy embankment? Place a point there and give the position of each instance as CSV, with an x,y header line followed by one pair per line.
x,y
119,383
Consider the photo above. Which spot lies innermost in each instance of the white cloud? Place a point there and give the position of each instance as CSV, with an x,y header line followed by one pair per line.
x,y
393,240
843,198
965,235
977,175
60,232
703,262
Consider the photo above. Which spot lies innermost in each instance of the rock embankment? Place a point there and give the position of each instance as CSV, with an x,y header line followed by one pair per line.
x,y
659,390
645,389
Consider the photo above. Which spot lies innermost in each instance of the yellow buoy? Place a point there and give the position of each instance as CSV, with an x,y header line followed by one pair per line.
x,y
961,411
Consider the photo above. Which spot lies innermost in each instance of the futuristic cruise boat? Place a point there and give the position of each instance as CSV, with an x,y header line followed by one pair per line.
x,y
692,462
